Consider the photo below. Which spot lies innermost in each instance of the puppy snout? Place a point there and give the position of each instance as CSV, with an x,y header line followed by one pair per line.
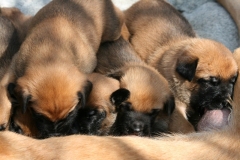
x,y
138,126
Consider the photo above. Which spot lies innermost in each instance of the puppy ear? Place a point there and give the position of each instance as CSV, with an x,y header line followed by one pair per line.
x,y
119,96
11,91
116,75
13,94
186,66
85,93
169,106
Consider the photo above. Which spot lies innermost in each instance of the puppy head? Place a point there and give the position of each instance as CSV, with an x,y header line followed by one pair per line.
x,y
204,75
130,122
54,94
148,92
99,114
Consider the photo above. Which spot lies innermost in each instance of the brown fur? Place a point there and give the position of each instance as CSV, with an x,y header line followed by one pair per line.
x,y
99,98
134,72
148,89
10,42
221,144
164,39
59,51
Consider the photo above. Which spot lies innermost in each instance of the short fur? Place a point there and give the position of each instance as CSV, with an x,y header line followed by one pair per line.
x,y
10,42
142,88
99,114
219,144
50,69
201,72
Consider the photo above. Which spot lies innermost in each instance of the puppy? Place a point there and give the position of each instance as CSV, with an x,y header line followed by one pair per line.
x,y
201,72
48,76
215,144
99,114
10,42
143,91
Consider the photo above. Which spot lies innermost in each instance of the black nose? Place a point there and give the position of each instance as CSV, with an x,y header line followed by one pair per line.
x,y
138,126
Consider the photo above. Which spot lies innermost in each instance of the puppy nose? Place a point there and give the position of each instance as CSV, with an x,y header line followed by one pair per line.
x,y
137,126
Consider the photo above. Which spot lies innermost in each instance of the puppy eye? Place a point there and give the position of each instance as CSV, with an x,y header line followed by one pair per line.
x,y
233,79
214,81
211,80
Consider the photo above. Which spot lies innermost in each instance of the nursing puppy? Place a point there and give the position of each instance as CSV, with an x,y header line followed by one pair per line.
x,y
217,144
201,72
10,42
99,114
143,91
48,76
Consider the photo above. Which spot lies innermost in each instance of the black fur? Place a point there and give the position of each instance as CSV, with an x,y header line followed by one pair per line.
x,y
130,122
119,96
90,120
213,93
169,106
186,67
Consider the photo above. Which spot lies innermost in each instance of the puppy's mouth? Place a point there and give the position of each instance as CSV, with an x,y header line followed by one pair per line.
x,y
214,119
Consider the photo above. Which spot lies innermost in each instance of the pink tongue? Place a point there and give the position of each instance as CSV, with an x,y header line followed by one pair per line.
x,y
213,119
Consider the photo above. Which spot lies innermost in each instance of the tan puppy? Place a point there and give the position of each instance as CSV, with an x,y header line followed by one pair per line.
x,y
143,91
201,73
10,41
218,144
48,75
99,114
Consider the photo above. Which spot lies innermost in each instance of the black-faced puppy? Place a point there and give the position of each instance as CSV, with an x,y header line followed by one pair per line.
x,y
99,114
201,72
143,91
48,76
10,41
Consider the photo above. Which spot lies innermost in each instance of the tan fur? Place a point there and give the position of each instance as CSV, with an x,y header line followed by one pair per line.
x,y
222,144
99,98
10,41
162,38
59,51
148,89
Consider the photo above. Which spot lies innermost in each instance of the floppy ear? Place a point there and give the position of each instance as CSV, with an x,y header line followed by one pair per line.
x,y
85,93
119,96
13,94
116,75
11,91
169,106
186,66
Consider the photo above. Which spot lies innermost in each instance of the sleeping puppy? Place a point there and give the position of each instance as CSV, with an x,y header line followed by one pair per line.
x,y
201,72
99,114
216,144
48,76
143,91
10,41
